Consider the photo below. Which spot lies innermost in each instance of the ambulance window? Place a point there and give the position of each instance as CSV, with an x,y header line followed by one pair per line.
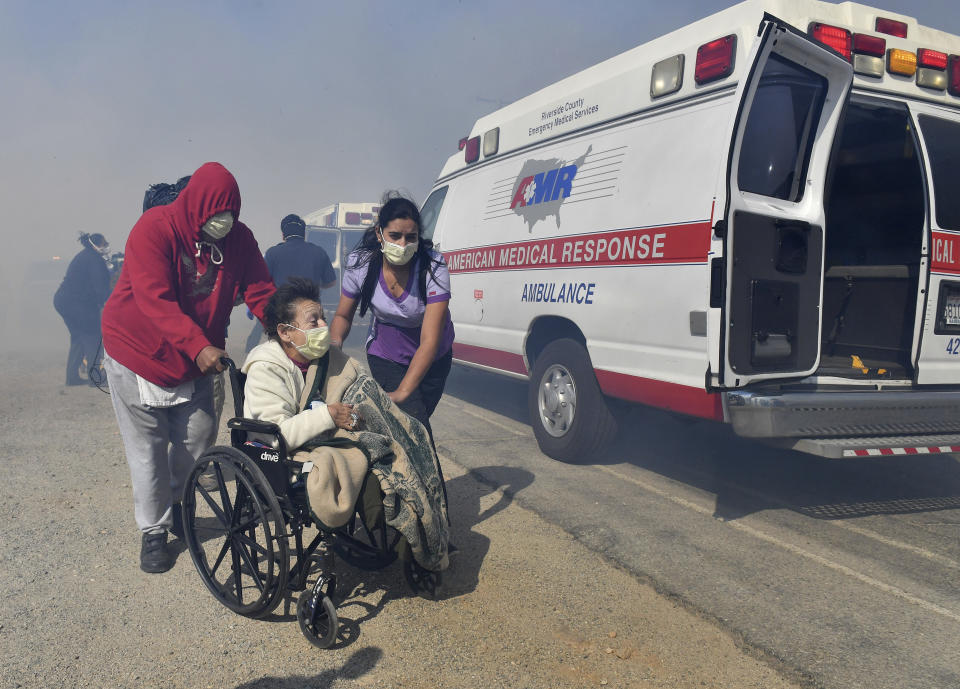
x,y
326,239
780,130
943,145
430,212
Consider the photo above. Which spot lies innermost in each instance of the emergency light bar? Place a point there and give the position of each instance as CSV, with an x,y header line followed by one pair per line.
x,y
934,69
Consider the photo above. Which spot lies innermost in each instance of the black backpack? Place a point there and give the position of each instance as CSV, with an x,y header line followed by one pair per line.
x,y
161,194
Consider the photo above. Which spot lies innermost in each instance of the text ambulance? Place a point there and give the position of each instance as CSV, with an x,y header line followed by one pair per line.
x,y
752,219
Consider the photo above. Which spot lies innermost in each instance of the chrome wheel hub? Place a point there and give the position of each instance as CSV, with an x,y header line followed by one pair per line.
x,y
557,400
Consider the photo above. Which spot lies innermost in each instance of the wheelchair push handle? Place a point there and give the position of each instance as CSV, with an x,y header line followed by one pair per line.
x,y
228,363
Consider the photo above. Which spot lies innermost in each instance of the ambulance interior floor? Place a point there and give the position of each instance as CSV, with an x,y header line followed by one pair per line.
x,y
852,366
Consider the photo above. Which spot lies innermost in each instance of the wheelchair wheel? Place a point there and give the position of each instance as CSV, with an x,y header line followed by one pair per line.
x,y
235,532
319,623
422,581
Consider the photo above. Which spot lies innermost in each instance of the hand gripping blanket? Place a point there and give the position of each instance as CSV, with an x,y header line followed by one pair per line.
x,y
397,451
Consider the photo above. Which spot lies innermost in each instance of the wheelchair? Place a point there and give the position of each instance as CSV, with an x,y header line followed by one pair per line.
x,y
242,506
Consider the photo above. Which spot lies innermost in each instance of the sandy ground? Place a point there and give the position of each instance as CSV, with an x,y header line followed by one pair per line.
x,y
524,604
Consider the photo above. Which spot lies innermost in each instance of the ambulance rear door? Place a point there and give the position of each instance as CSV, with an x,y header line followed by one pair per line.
x,y
939,356
769,243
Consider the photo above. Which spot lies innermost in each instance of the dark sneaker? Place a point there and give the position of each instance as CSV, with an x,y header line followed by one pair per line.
x,y
177,528
154,556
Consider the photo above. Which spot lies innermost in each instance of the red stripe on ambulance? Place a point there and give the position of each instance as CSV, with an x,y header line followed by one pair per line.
x,y
945,254
668,244
494,358
659,393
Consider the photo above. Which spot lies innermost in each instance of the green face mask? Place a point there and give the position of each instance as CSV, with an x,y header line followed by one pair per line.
x,y
317,342
219,225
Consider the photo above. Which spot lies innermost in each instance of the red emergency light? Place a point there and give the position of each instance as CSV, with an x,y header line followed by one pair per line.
x,y
891,27
836,37
874,46
931,58
715,59
953,75
471,152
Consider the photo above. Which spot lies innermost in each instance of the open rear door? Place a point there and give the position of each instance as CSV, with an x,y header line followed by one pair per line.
x,y
773,228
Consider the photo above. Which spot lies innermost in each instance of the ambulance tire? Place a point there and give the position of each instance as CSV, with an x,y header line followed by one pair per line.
x,y
569,414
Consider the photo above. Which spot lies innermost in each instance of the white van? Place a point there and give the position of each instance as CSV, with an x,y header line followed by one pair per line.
x,y
752,219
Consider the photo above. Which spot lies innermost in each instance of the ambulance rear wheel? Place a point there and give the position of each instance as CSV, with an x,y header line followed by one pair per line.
x,y
569,414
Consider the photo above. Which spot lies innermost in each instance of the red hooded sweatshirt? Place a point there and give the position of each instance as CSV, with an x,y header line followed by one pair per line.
x,y
170,303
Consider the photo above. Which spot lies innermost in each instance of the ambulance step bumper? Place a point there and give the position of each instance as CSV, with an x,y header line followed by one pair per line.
x,y
884,446
823,414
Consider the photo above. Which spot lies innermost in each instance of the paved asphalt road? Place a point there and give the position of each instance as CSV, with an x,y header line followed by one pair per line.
x,y
845,570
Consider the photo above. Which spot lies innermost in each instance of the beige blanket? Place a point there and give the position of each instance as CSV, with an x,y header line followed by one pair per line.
x,y
394,446
334,482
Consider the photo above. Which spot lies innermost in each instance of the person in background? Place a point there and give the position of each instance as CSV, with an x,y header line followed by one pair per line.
x,y
163,331
295,257
396,274
79,300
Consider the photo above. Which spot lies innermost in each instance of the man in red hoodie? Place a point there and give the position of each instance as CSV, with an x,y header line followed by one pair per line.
x,y
164,328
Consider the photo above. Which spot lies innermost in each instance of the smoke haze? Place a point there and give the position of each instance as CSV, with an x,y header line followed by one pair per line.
x,y
307,103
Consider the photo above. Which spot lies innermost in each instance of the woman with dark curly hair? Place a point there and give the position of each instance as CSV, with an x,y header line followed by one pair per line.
x,y
79,300
396,275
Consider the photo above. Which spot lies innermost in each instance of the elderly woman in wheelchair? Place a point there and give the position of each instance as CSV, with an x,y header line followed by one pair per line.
x,y
319,444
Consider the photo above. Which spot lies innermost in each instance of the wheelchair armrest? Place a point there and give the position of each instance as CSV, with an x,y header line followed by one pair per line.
x,y
252,425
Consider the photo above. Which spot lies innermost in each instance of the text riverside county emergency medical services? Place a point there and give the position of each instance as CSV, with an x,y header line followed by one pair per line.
x,y
562,114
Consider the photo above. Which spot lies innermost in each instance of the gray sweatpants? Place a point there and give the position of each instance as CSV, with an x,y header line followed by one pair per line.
x,y
161,443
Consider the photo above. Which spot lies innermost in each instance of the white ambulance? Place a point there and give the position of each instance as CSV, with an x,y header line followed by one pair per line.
x,y
752,219
337,229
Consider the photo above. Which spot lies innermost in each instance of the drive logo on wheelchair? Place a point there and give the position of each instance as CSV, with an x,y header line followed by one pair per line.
x,y
270,456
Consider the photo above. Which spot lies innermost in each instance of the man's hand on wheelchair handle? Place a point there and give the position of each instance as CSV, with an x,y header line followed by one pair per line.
x,y
208,360
344,416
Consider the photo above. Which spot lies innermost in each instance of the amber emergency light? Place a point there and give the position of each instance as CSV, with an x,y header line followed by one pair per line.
x,y
901,62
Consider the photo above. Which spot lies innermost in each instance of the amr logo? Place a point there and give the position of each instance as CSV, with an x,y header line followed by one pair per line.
x,y
542,186
546,186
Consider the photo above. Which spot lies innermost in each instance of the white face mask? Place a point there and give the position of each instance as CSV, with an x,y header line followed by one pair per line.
x,y
399,255
219,225
317,342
